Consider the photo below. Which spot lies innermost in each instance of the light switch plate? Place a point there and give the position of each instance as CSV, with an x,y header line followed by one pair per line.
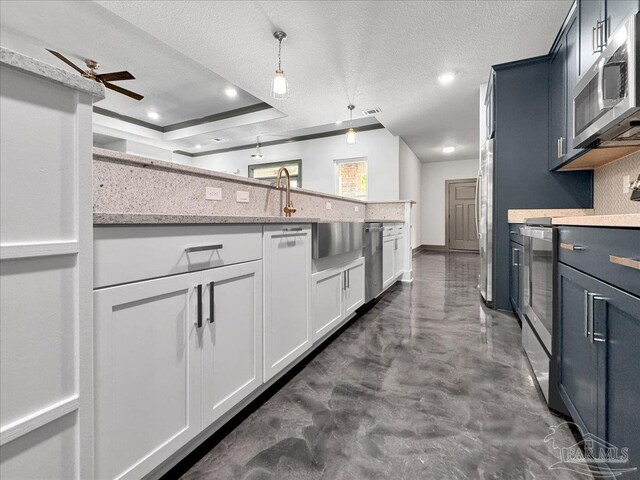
x,y
242,196
328,205
213,193
626,184
356,209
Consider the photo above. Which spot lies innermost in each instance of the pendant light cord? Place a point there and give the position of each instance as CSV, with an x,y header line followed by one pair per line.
x,y
279,54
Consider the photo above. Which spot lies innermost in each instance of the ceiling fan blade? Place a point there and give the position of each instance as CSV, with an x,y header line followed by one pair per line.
x,y
113,76
66,60
123,91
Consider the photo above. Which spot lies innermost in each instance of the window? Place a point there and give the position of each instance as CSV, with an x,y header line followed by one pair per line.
x,y
268,171
351,178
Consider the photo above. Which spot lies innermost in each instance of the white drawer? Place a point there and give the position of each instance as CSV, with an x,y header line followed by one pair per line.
x,y
391,229
123,254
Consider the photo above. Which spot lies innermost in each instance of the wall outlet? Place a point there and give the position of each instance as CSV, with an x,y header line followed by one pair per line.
x,y
356,209
213,193
327,205
242,196
626,184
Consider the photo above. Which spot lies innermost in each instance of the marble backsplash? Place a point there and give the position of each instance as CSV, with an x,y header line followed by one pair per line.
x,y
608,197
129,184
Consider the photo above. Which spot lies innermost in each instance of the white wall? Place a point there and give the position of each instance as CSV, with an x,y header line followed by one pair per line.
x,y
433,195
411,188
318,172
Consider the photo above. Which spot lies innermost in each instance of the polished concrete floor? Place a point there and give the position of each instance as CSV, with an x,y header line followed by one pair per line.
x,y
428,384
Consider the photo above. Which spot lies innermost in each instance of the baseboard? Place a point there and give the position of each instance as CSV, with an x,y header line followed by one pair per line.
x,y
433,248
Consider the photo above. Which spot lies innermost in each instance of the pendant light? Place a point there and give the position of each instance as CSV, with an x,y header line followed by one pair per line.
x,y
351,133
279,85
257,155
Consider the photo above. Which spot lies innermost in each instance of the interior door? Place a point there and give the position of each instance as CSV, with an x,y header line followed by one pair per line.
x,y
462,215
231,337
141,416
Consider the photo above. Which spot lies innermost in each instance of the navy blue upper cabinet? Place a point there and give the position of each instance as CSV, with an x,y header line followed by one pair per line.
x,y
592,31
557,106
617,11
563,76
599,19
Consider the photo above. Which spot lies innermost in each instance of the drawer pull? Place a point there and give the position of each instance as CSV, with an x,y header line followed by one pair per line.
x,y
203,248
199,319
625,262
211,302
292,229
570,246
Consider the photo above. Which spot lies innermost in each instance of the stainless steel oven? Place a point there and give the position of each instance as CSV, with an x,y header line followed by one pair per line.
x,y
605,101
538,302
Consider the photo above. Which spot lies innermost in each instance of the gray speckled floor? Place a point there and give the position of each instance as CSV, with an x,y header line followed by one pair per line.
x,y
426,385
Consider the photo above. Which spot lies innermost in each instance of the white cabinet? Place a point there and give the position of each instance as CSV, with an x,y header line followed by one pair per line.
x,y
354,290
287,292
388,256
327,300
337,293
398,254
46,325
172,355
147,373
231,337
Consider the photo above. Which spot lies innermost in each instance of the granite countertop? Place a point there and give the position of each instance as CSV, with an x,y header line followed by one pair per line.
x,y
621,220
520,215
51,73
382,220
160,219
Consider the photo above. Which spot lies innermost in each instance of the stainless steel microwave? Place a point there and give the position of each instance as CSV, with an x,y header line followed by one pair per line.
x,y
606,108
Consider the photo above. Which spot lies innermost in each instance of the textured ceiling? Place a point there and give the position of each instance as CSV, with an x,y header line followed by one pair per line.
x,y
173,84
385,54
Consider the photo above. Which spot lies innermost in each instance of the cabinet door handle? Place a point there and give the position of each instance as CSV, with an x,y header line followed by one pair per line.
x,y
344,280
625,262
199,293
514,262
211,302
558,151
596,336
203,248
348,278
586,313
570,247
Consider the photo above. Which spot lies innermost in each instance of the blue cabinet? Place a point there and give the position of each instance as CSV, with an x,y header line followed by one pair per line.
x,y
599,19
598,336
563,77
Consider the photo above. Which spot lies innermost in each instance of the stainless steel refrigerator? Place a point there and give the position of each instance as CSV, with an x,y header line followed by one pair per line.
x,y
485,220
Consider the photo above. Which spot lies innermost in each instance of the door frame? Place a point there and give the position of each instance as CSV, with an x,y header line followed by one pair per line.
x,y
447,184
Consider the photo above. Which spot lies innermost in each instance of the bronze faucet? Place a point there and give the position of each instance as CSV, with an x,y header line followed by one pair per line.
x,y
288,209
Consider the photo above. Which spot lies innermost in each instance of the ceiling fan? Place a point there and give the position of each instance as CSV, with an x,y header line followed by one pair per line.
x,y
103,78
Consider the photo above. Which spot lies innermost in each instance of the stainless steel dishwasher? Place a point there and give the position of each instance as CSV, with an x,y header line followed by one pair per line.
x,y
372,260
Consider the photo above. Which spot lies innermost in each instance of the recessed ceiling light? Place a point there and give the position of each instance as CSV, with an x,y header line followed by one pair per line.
x,y
447,78
217,139
153,115
198,146
231,92
339,122
448,149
